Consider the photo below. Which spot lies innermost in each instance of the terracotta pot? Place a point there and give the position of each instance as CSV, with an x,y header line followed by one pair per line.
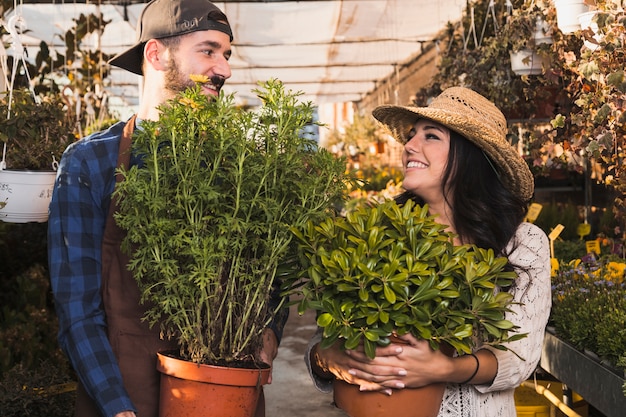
x,y
190,389
406,402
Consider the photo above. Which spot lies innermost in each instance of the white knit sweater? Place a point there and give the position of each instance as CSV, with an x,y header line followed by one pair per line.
x,y
532,296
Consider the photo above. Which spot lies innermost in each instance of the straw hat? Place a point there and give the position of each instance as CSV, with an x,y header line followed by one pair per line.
x,y
475,118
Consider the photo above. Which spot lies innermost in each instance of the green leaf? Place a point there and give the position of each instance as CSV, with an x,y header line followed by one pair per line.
x,y
324,319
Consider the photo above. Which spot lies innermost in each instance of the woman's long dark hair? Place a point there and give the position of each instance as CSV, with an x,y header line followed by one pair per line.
x,y
485,212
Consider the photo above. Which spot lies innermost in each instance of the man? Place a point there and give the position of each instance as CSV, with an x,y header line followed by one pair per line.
x,y
100,329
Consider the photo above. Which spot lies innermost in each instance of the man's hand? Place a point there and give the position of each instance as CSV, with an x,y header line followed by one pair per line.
x,y
269,350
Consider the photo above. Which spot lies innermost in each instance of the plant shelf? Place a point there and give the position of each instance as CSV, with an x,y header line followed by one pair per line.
x,y
597,384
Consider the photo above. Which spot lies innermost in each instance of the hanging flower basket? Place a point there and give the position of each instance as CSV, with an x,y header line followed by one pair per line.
x,y
25,195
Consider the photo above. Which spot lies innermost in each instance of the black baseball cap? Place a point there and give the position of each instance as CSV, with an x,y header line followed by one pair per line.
x,y
165,18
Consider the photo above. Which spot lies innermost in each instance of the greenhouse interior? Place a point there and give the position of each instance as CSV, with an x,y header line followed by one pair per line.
x,y
328,78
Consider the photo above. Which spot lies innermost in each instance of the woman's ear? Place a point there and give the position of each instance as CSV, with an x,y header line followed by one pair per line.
x,y
155,55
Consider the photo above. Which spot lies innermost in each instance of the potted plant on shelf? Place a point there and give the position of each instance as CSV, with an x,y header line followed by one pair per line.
x,y
385,270
586,328
208,219
33,136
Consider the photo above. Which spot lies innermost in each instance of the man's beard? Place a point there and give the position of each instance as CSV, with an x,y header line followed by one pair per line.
x,y
175,80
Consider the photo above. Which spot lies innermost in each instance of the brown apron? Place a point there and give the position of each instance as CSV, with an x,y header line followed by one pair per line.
x,y
133,342
135,345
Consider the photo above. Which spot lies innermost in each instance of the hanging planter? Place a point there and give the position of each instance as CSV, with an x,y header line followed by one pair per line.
x,y
33,136
527,62
25,195
191,389
567,12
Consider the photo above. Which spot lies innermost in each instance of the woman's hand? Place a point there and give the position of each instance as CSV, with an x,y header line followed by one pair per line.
x,y
411,363
398,365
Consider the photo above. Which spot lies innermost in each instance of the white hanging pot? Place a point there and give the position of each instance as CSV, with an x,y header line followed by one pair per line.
x,y
567,12
25,195
527,62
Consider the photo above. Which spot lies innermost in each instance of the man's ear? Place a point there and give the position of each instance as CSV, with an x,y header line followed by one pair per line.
x,y
155,55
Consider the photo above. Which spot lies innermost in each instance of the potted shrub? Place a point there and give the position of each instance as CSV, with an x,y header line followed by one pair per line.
x,y
385,270
33,136
208,218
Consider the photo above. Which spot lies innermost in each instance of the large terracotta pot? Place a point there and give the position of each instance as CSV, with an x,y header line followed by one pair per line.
x,y
190,389
407,402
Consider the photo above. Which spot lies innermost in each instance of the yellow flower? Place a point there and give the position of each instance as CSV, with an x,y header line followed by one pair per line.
x,y
188,102
615,271
199,78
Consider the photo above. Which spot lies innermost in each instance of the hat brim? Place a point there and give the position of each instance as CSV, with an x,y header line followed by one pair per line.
x,y
513,170
131,59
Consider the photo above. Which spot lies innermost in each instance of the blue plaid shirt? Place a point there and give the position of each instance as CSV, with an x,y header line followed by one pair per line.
x,y
78,214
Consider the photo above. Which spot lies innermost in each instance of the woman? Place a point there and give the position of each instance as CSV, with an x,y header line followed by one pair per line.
x,y
457,160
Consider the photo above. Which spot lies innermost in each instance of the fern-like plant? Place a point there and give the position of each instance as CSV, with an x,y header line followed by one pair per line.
x,y
209,213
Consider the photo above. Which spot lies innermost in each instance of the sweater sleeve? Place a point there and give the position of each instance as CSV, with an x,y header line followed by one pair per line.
x,y
323,385
530,311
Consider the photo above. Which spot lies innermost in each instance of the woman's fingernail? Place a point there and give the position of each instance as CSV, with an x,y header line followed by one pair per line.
x,y
387,391
402,372
352,372
399,385
399,350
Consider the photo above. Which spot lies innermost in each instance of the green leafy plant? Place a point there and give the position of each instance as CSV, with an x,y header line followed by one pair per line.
x,y
36,134
386,269
209,213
